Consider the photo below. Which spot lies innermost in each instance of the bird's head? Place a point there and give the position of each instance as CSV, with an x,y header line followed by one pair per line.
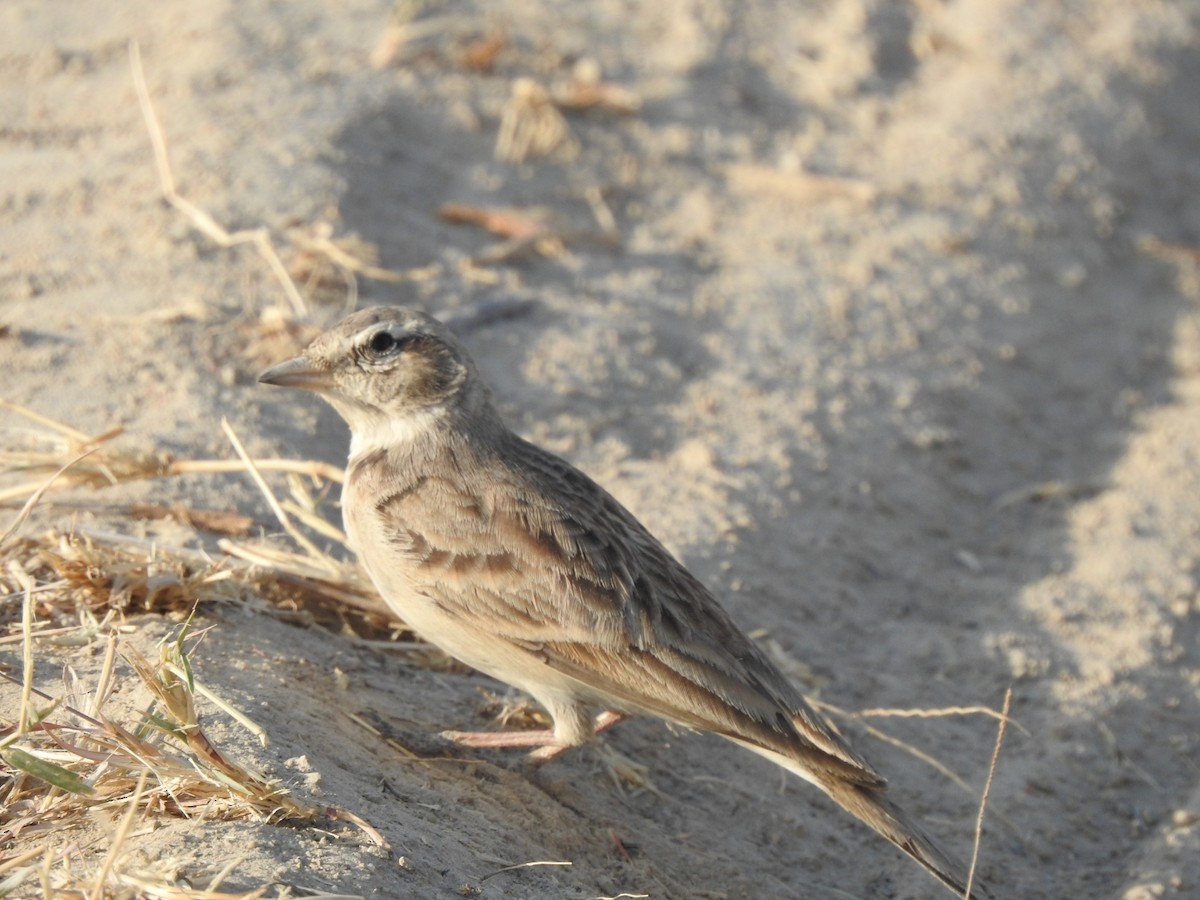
x,y
390,372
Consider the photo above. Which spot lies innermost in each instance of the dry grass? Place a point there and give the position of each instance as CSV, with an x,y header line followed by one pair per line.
x,y
105,571
67,761
66,757
110,463
531,126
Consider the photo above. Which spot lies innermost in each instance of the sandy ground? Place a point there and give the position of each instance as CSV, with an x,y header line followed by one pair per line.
x,y
898,351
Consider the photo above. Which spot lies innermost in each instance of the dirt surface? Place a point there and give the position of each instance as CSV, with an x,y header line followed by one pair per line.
x,y
898,351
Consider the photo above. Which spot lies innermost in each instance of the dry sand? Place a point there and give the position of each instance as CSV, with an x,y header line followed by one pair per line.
x,y
898,351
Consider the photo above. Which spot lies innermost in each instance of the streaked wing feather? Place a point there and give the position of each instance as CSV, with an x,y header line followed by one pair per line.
x,y
540,555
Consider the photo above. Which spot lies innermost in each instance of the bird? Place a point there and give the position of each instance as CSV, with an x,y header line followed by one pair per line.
x,y
519,565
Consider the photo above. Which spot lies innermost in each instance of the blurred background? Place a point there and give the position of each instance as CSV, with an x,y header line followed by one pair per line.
x,y
881,313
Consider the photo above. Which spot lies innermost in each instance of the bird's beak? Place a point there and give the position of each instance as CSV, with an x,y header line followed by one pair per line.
x,y
298,372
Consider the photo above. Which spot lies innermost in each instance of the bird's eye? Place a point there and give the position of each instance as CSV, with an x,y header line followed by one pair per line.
x,y
382,342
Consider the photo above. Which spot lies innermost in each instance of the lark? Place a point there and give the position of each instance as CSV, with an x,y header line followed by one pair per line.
x,y
519,565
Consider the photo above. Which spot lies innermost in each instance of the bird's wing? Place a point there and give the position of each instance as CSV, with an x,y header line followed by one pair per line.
x,y
522,546
576,579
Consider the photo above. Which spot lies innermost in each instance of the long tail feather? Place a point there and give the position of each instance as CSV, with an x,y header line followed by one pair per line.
x,y
870,805
867,801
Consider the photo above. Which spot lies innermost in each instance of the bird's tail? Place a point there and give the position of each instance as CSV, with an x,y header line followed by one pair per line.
x,y
862,793
870,805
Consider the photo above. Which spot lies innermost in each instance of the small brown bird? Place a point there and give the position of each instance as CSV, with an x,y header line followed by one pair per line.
x,y
519,565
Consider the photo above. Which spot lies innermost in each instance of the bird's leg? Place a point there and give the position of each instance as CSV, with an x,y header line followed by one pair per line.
x,y
539,737
603,722
544,739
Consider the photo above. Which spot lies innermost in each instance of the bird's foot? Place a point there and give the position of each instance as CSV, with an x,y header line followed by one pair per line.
x,y
547,747
603,722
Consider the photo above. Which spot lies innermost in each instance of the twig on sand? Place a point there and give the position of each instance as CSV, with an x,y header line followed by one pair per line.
x,y
943,711
987,789
259,237
946,772
528,865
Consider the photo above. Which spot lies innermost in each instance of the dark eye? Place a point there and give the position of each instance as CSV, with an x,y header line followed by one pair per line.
x,y
382,343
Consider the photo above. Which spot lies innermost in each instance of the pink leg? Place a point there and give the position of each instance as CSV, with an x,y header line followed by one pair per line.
x,y
604,721
542,739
